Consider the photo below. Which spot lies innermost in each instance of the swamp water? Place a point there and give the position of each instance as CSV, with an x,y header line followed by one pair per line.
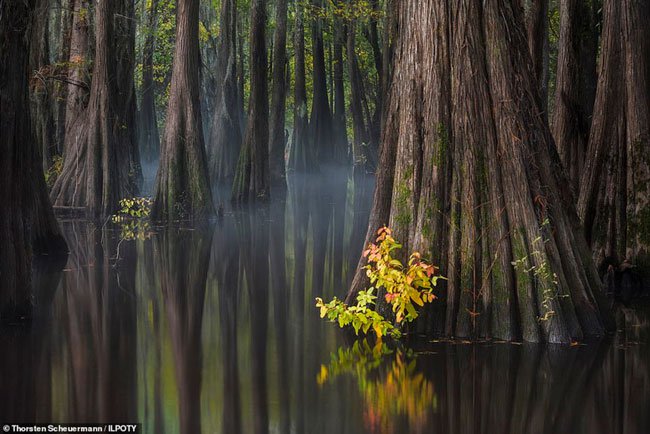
x,y
214,330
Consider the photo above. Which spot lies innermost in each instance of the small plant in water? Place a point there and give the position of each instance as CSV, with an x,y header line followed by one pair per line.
x,y
542,272
133,208
407,287
133,218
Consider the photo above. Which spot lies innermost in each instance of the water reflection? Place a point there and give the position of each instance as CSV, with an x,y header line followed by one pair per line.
x,y
181,259
213,330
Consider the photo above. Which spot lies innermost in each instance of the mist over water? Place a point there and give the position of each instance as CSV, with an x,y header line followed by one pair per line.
x,y
214,330
149,170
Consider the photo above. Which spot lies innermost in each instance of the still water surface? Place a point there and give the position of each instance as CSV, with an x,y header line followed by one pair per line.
x,y
214,330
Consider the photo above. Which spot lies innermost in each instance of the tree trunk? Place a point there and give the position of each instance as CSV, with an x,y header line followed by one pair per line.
x,y
182,184
374,120
277,136
100,165
338,118
63,56
77,74
615,184
241,73
463,107
320,123
575,85
390,35
360,146
41,85
148,123
27,224
372,35
536,23
252,175
209,55
225,138
127,132
301,155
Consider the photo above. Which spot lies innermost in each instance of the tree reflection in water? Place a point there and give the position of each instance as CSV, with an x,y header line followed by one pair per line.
x,y
215,331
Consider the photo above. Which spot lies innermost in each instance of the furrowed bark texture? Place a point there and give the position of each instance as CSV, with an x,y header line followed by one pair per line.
x,y
225,135
78,81
390,35
575,85
252,175
63,17
41,86
182,184
101,161
277,136
27,224
614,200
536,23
148,124
470,177
301,156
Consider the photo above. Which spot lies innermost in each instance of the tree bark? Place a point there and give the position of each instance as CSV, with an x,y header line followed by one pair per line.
x,y
615,183
148,123
469,176
182,184
65,16
301,155
372,34
41,85
77,72
536,23
575,85
27,224
320,122
277,136
225,139
252,175
361,142
390,35
127,131
241,72
101,162
338,116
